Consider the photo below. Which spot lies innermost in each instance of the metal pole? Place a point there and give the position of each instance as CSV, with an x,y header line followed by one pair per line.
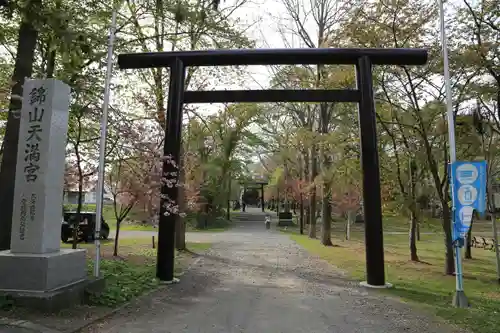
x,y
372,201
170,194
102,146
492,207
459,300
495,238
493,215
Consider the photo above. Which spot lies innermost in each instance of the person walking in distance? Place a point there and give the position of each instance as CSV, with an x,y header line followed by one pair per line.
x,y
268,221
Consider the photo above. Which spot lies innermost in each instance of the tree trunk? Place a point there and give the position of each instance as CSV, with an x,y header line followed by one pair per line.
x,y
51,65
307,216
78,208
413,216
278,203
301,220
351,218
468,244
326,208
301,199
80,187
117,237
23,69
180,225
206,216
449,267
287,202
326,220
413,236
201,216
312,194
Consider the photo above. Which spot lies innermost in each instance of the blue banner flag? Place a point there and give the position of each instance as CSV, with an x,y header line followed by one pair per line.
x,y
469,194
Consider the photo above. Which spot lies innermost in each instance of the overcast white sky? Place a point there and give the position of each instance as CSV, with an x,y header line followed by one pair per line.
x,y
264,18
256,14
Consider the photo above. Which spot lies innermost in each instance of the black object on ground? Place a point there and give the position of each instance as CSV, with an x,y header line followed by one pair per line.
x,y
85,224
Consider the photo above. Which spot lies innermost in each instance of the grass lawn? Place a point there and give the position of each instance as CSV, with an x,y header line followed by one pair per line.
x,y
108,213
422,283
399,224
132,273
133,227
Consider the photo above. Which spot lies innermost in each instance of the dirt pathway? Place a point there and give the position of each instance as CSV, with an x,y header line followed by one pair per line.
x,y
259,281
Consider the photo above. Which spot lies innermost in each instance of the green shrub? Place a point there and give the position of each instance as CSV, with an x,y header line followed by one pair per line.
x,y
124,281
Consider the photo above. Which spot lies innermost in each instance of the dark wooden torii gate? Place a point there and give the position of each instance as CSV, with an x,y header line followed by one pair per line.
x,y
261,185
362,59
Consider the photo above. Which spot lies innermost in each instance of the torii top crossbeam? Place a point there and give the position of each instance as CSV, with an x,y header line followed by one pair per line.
x,y
343,56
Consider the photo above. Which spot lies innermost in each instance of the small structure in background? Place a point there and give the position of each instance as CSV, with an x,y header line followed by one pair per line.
x,y
249,194
89,194
285,219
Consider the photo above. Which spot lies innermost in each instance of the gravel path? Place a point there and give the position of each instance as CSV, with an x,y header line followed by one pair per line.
x,y
259,281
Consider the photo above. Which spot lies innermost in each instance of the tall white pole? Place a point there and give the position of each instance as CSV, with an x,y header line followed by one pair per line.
x,y
447,82
102,145
459,300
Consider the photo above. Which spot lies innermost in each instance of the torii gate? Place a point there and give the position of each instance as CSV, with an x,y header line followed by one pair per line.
x,y
362,59
260,185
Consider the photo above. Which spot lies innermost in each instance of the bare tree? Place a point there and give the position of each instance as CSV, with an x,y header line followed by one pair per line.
x,y
316,23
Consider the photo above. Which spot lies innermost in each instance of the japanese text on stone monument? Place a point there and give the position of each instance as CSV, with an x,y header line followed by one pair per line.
x,y
32,155
33,138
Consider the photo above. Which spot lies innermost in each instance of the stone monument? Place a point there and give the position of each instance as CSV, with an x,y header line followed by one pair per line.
x,y
36,267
